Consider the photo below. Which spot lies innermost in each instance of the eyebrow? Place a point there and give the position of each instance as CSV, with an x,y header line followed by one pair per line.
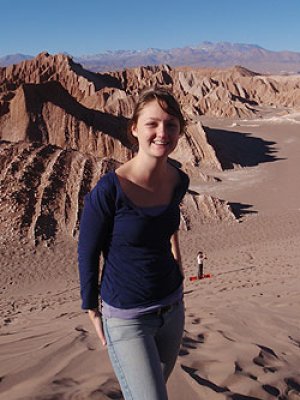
x,y
158,119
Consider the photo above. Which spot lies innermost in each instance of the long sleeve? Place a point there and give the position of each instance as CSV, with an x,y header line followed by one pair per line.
x,y
94,234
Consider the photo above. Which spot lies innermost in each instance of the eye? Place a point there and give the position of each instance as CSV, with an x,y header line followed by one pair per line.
x,y
172,125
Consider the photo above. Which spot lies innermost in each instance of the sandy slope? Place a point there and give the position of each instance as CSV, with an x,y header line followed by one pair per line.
x,y
242,338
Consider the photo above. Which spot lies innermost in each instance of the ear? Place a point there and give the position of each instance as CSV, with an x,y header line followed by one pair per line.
x,y
134,131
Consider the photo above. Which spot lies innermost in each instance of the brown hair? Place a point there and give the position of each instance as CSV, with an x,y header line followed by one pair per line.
x,y
165,99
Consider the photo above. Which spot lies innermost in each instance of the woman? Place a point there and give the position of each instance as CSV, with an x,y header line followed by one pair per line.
x,y
132,217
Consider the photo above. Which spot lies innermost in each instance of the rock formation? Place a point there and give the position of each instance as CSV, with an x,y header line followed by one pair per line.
x,y
236,92
52,100
42,189
43,186
62,126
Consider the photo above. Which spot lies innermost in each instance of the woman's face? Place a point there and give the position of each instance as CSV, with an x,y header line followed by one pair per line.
x,y
156,131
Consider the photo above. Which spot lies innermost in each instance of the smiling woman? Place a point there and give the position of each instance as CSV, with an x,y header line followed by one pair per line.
x,y
157,132
132,216
157,123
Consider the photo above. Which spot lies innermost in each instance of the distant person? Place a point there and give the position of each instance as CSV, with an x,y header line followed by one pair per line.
x,y
132,216
200,267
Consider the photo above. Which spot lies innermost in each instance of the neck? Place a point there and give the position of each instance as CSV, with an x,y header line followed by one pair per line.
x,y
150,168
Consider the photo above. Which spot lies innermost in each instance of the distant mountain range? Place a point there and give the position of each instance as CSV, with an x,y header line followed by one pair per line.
x,y
206,54
14,59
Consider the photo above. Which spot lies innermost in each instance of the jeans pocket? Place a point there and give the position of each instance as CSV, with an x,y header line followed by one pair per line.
x,y
117,329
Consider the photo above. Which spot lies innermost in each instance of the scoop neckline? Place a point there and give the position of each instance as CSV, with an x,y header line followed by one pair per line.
x,y
131,203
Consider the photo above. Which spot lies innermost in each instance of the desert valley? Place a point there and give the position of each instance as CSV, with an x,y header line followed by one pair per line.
x,y
61,128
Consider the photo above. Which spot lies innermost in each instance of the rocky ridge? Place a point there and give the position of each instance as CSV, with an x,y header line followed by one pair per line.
x,y
43,186
62,127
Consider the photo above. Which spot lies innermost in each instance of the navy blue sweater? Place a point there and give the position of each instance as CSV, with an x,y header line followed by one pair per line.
x,y
139,267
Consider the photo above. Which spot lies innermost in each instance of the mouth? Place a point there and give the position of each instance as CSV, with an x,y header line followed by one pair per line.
x,y
160,142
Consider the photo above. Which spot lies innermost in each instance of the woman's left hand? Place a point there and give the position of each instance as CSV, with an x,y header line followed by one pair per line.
x,y
95,317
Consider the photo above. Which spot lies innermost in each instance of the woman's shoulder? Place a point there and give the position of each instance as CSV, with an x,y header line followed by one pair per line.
x,y
182,182
106,182
182,178
176,166
105,189
103,194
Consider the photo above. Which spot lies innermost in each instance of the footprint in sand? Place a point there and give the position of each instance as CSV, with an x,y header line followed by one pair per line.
x,y
240,371
272,390
183,352
7,321
268,360
201,338
295,341
110,389
66,382
191,344
292,384
196,321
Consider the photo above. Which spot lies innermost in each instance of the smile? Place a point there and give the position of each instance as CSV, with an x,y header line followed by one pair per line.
x,y
160,142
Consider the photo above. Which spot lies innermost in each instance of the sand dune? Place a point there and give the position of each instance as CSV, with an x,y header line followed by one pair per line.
x,y
241,337
61,128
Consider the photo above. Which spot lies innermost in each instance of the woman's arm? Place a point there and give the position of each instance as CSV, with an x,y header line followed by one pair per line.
x,y
176,250
95,228
95,317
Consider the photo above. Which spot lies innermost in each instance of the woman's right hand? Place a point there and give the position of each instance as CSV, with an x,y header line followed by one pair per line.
x,y
95,317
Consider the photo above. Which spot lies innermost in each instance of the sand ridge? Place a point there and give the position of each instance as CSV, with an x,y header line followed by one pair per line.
x,y
62,128
241,336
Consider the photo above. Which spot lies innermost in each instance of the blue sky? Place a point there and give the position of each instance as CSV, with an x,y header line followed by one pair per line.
x,y
94,26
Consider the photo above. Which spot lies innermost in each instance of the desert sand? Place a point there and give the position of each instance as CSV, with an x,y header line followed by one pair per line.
x,y
242,333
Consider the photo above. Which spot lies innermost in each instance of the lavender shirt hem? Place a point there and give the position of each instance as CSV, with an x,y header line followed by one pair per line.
x,y
131,313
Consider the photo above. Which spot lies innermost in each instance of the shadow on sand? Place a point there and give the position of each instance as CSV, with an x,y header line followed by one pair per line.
x,y
239,210
236,148
215,388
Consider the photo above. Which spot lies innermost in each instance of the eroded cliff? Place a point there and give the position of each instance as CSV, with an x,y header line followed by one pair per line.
x,y
62,127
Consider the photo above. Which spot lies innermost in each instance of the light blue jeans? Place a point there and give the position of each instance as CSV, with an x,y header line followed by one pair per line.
x,y
143,351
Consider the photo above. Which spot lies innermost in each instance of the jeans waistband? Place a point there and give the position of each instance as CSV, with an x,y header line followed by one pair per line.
x,y
165,309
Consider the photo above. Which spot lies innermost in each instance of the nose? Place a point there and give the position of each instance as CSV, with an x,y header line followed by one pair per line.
x,y
162,130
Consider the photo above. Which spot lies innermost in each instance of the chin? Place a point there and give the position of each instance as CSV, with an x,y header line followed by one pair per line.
x,y
164,151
